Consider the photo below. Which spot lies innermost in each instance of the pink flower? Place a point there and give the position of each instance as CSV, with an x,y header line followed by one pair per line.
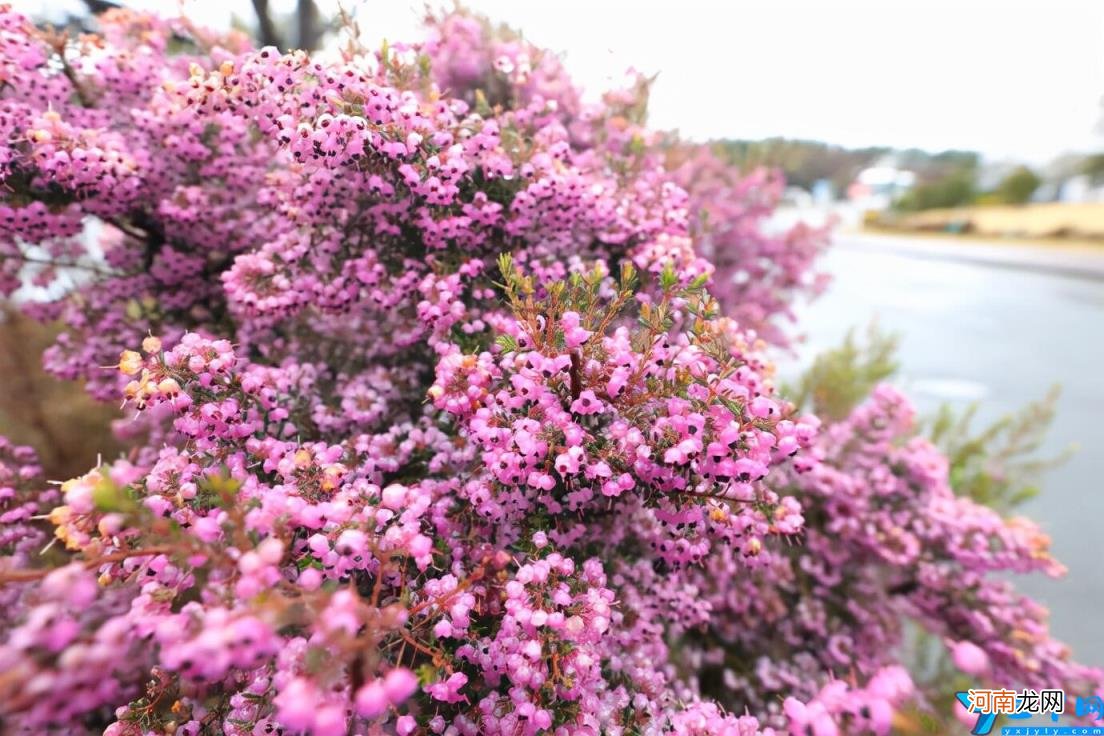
x,y
448,691
970,658
372,700
574,334
587,404
399,684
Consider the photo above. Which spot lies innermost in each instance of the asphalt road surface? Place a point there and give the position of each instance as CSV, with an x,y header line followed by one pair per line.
x,y
997,325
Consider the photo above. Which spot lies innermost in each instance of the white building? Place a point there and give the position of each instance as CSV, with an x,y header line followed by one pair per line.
x,y
877,187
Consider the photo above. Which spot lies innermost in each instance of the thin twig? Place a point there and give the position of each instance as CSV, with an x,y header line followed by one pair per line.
x,y
22,576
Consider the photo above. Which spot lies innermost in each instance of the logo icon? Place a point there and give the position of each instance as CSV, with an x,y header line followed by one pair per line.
x,y
988,704
1024,704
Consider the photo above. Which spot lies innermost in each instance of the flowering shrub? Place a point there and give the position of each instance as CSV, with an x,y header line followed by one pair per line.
x,y
448,413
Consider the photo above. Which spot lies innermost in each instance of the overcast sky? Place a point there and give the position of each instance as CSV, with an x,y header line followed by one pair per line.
x,y
1014,79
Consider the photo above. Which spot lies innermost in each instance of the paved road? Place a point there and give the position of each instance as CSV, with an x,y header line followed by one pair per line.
x,y
1000,330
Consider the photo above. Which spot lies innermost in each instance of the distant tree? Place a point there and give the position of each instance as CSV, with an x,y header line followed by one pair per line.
x,y
953,190
1018,186
803,162
1093,167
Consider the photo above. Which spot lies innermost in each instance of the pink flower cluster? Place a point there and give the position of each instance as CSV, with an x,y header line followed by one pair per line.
x,y
758,272
634,420
891,543
23,496
445,415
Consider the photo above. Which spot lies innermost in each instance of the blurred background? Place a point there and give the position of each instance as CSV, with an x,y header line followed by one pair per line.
x,y
957,145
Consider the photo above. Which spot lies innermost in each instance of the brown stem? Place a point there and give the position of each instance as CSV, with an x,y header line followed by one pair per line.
x,y
23,576
71,75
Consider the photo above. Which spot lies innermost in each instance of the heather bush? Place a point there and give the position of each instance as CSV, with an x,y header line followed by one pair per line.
x,y
448,411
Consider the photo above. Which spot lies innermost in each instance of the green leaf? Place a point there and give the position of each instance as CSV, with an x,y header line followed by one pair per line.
x,y
668,279
482,107
841,378
699,282
506,267
109,497
427,674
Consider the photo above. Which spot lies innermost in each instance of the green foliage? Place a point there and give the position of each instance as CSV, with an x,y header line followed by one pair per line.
x,y
947,160
1018,186
111,497
1093,167
999,466
841,378
805,162
953,190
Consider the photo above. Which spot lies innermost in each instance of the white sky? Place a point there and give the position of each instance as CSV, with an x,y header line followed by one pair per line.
x,y
1014,79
